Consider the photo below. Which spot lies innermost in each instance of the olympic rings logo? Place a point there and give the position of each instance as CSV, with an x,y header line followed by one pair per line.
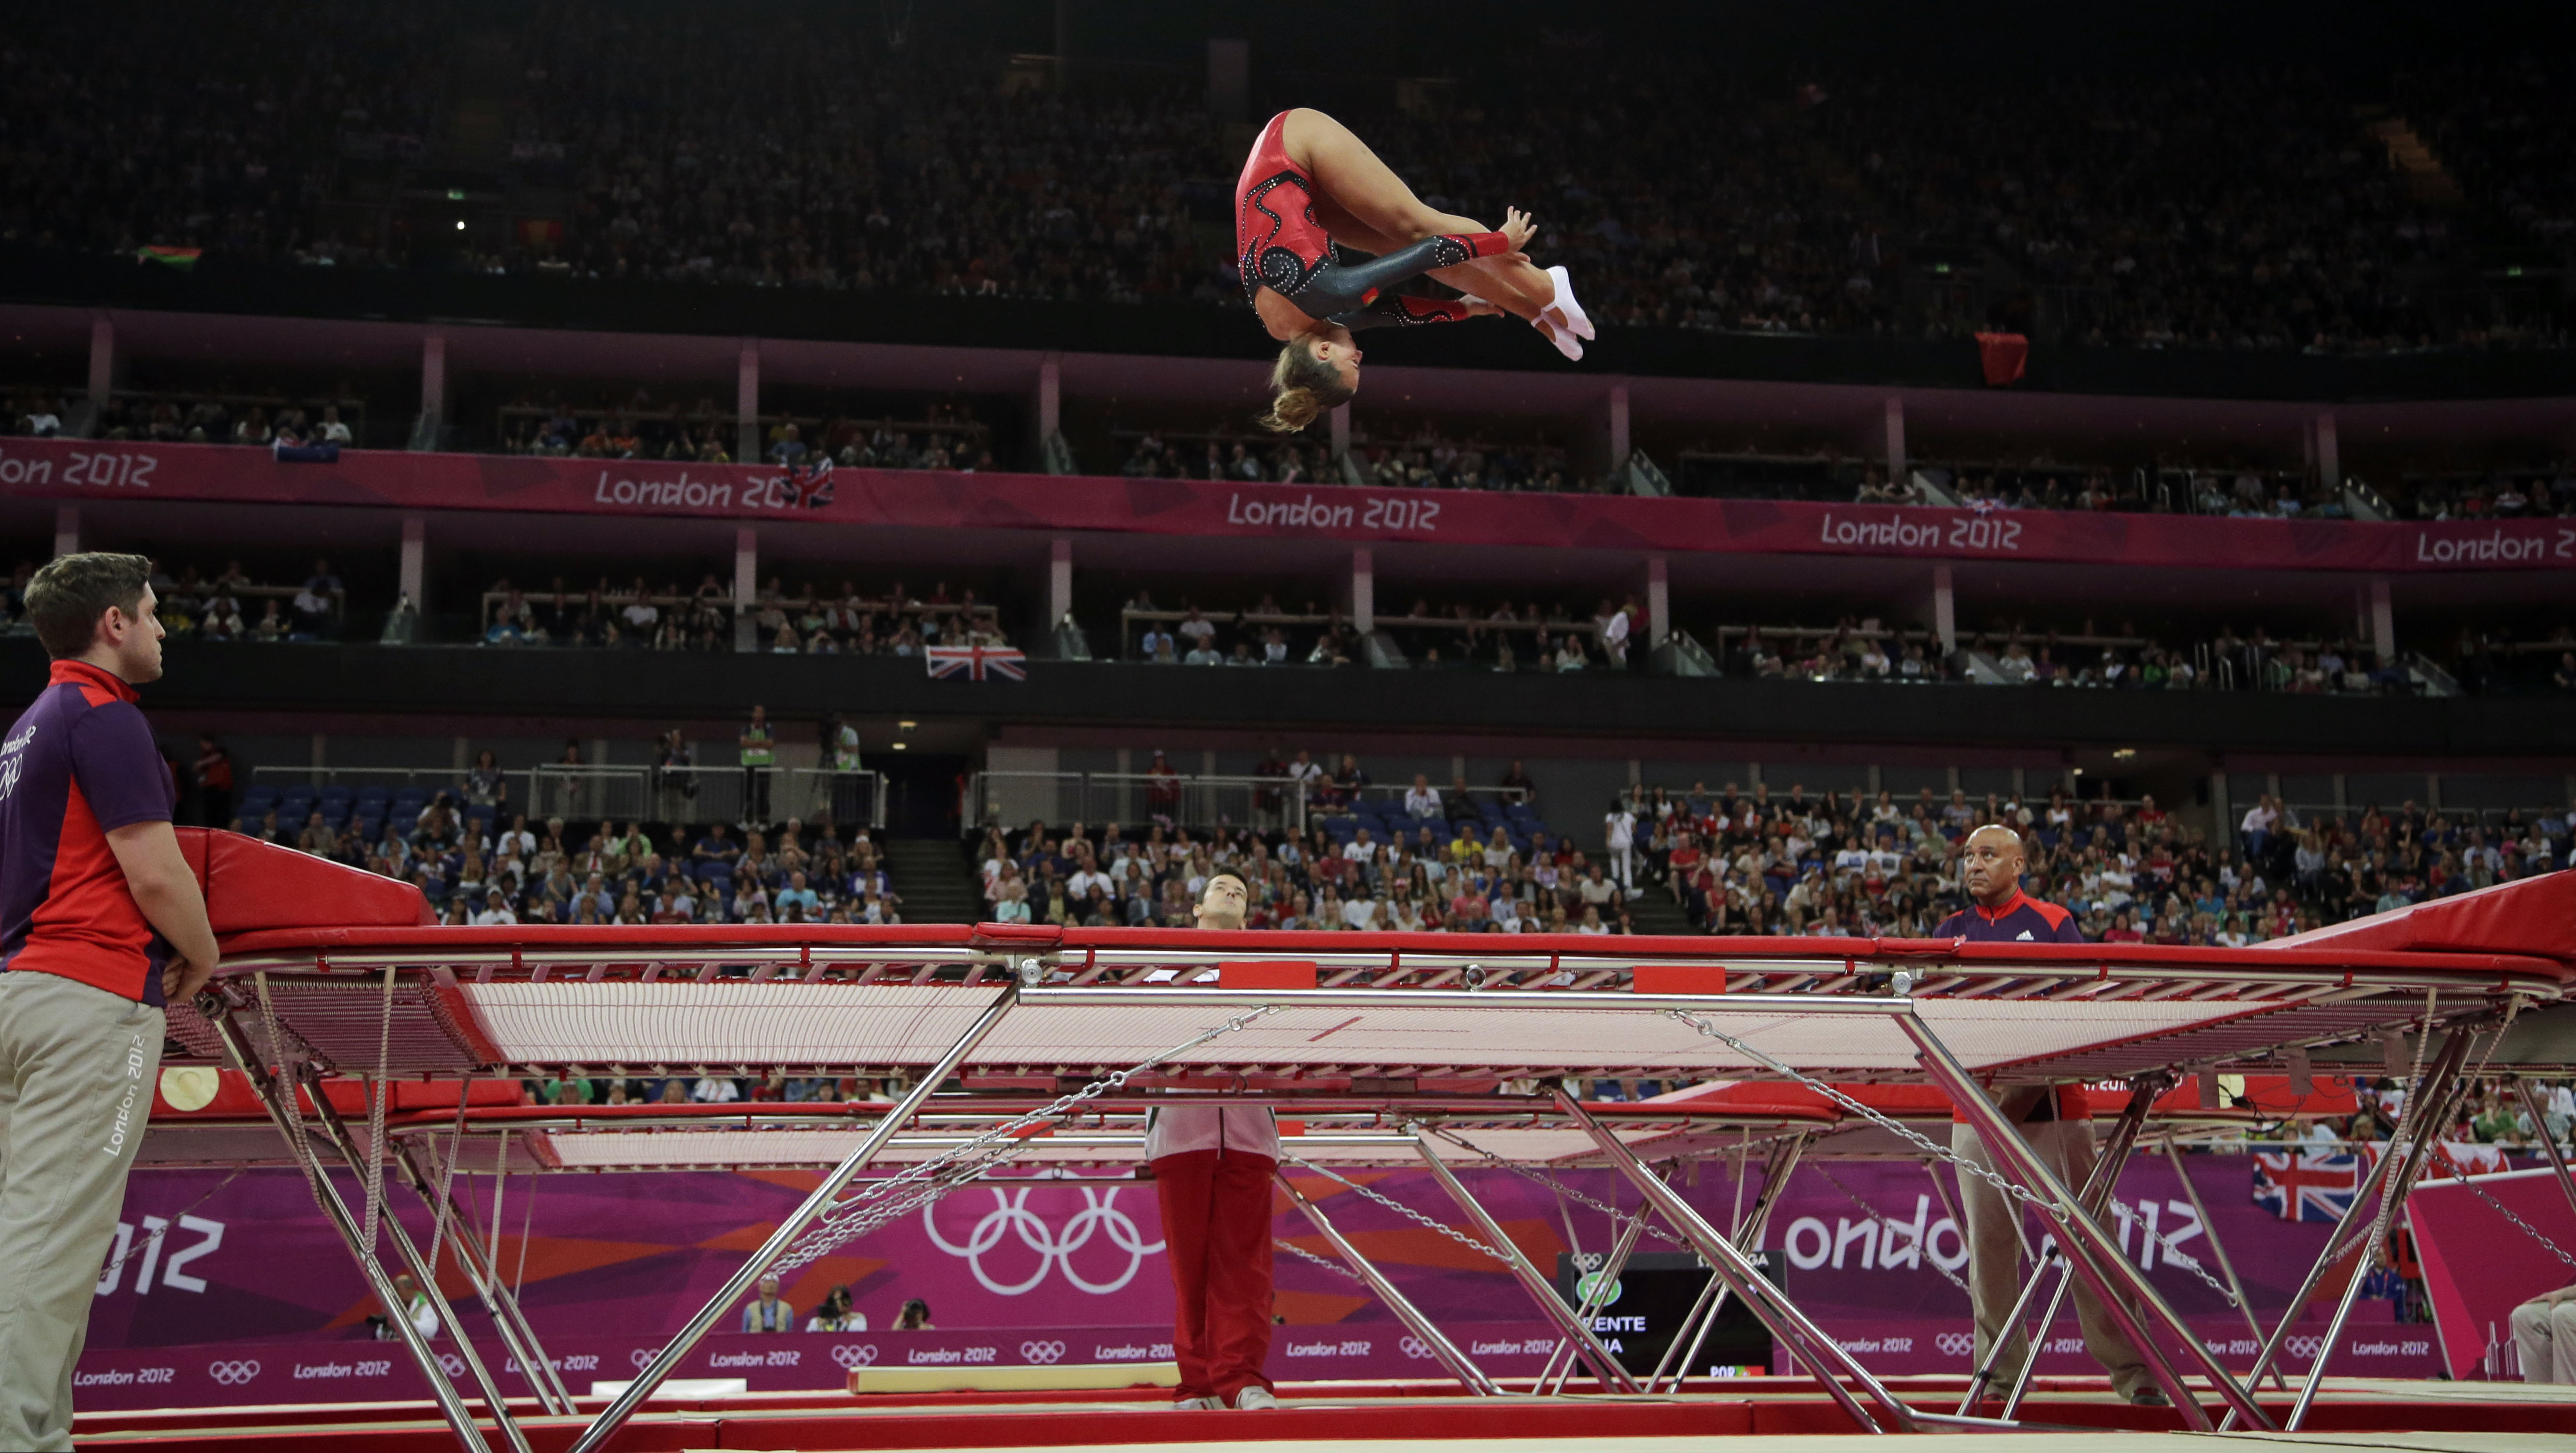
x,y
1955,1344
451,1364
854,1355
1041,1353
1011,1216
1415,1348
2306,1348
642,1355
232,1374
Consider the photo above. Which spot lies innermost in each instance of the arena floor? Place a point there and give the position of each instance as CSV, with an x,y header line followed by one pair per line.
x,y
2064,1413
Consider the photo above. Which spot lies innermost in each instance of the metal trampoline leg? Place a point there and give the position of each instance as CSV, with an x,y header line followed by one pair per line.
x,y
1746,1281
2364,1208
281,1106
2099,1187
610,1418
1553,1379
2548,1142
1614,1378
508,1320
336,1131
2218,1249
2427,1133
1712,1298
2096,1257
1471,1376
506,1325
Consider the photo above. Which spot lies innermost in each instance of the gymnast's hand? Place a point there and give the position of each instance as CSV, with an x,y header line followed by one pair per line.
x,y
1517,229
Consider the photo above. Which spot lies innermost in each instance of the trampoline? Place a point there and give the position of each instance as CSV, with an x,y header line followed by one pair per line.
x,y
1043,1045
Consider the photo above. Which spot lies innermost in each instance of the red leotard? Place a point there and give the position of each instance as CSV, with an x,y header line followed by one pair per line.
x,y
1278,242
1281,246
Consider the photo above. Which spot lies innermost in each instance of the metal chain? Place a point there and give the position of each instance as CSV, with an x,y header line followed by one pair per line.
x,y
1401,1209
380,1095
1326,1262
2412,1116
1876,1215
131,1252
1993,1178
2506,1212
1549,1180
1894,1127
867,1207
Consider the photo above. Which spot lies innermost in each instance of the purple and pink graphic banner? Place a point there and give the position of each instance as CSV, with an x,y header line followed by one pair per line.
x,y
2479,1265
220,1276
60,469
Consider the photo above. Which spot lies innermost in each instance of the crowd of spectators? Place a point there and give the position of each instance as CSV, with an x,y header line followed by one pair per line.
x,y
810,621
946,437
1415,859
2494,495
1423,459
1860,649
202,138
1508,637
1755,861
229,606
32,413
1764,862
478,862
2242,209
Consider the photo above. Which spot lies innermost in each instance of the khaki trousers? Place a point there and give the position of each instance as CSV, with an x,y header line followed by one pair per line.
x,y
2544,1331
1994,1256
77,1067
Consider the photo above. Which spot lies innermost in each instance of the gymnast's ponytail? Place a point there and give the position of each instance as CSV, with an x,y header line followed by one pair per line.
x,y
1306,387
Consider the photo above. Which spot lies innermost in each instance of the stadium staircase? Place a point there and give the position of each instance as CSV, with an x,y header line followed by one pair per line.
x,y
1652,909
935,879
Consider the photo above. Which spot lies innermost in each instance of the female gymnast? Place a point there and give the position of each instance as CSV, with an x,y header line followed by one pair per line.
x,y
1309,184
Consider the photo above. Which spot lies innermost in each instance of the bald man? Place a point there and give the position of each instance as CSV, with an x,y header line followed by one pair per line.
x,y
2055,1119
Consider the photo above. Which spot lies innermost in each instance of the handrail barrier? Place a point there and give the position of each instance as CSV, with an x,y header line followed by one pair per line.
x,y
1199,802
683,796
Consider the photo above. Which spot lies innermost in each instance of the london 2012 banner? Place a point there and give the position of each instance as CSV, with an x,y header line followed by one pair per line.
x,y
228,1286
71,469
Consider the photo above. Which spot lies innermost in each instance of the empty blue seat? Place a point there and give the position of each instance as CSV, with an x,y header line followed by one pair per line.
x,y
337,792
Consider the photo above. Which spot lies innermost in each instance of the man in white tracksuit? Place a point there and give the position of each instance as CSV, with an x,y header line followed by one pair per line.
x,y
1212,1172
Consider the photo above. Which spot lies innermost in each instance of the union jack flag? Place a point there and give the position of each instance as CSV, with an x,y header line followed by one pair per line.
x,y
977,663
813,485
2308,1185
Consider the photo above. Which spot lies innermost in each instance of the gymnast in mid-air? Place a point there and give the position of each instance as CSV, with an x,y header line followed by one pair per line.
x,y
1309,184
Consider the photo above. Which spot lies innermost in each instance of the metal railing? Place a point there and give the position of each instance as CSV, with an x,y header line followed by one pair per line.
x,y
434,779
1196,802
766,794
686,796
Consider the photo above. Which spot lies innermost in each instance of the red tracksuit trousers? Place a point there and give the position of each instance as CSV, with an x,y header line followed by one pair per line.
x,y
1216,1235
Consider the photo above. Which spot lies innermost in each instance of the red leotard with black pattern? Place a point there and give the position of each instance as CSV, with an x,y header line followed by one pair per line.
x,y
1277,239
1281,246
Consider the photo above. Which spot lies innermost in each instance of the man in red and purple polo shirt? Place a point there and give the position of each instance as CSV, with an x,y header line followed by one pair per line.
x,y
2055,1119
101,923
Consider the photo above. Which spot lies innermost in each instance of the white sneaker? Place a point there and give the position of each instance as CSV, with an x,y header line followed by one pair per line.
x,y
1254,1398
1565,312
1196,1405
